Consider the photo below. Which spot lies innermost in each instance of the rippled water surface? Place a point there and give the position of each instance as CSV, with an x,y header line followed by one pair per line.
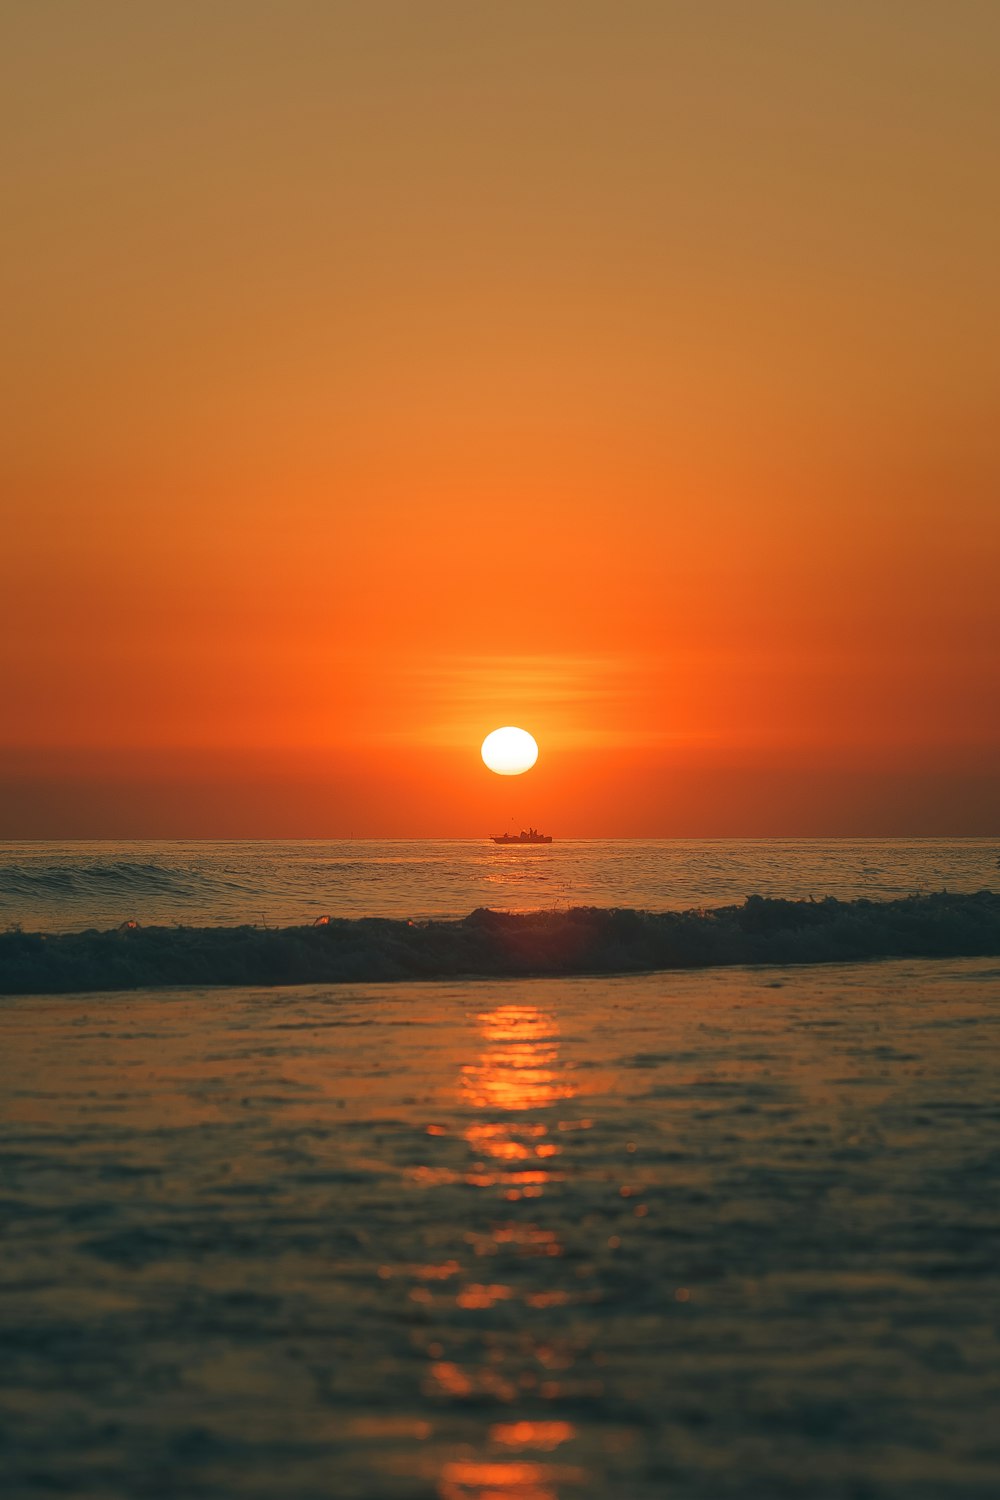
x,y
62,887
727,1234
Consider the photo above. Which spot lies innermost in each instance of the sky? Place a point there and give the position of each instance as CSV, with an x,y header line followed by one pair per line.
x,y
379,373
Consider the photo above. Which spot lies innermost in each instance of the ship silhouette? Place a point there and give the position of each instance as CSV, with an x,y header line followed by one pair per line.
x,y
526,836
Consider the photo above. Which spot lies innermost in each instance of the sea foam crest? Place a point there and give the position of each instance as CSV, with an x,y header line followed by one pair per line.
x,y
581,940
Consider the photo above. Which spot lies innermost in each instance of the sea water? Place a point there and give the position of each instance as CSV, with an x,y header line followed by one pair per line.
x,y
64,887
730,1235
725,1235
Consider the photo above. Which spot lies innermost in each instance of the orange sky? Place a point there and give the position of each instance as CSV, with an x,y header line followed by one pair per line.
x,y
379,373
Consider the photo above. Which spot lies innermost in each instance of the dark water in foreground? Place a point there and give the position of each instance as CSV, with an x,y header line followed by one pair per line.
x,y
725,1234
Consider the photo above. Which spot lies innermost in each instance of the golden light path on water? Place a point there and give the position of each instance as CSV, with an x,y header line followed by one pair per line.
x,y
514,1086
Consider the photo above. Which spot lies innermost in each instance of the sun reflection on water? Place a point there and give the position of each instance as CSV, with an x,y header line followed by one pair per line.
x,y
469,1479
516,1146
488,1304
519,1069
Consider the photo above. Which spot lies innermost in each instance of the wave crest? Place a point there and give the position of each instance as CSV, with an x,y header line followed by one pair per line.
x,y
581,940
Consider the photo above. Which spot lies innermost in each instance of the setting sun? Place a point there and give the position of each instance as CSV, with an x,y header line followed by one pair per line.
x,y
509,751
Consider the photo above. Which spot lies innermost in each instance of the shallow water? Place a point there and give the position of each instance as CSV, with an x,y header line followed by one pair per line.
x,y
53,887
726,1234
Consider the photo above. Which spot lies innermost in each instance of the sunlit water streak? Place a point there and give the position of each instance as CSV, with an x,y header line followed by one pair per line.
x,y
697,1235
62,887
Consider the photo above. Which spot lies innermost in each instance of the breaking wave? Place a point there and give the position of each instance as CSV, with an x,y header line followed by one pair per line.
x,y
581,940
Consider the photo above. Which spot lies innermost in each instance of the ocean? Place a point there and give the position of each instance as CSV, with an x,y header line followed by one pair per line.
x,y
51,887
729,1234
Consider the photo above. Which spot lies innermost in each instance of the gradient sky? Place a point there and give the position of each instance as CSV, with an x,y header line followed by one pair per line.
x,y
377,373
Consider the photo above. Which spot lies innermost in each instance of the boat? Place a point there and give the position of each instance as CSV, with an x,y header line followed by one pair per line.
x,y
526,836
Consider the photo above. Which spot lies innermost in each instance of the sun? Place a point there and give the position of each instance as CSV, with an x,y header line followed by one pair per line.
x,y
509,751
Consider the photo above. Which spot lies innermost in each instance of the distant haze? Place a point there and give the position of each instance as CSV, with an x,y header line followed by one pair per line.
x,y
378,373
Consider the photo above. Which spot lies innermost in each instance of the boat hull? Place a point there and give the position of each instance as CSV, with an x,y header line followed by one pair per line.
x,y
518,843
